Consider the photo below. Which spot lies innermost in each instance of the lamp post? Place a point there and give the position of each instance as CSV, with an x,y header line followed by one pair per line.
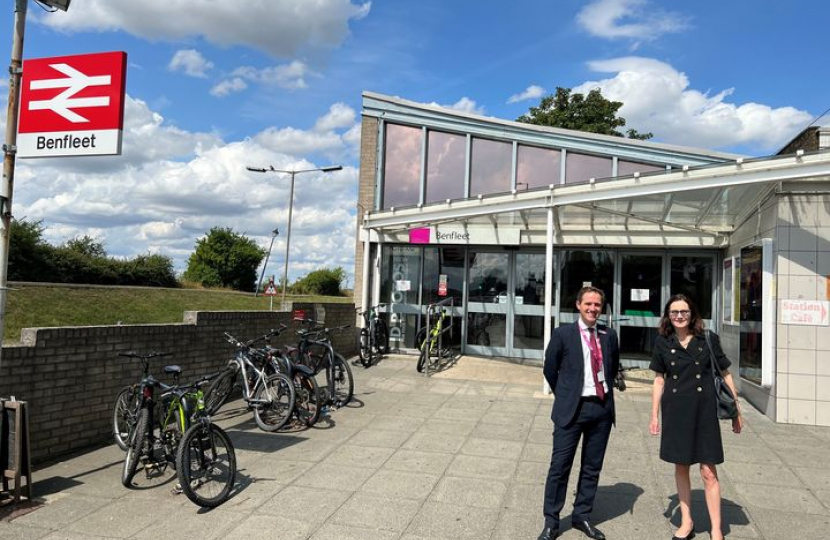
x,y
274,234
10,147
290,209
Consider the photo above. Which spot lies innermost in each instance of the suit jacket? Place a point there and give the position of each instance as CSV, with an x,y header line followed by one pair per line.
x,y
565,369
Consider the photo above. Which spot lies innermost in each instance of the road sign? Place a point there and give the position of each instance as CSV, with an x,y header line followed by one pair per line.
x,y
271,289
72,105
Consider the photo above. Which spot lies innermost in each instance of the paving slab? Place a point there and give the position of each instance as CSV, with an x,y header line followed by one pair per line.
x,y
459,454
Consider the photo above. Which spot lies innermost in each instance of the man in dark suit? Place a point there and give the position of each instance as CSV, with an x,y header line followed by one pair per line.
x,y
581,362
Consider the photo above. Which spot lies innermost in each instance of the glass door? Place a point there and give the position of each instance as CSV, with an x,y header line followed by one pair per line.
x,y
581,268
528,303
487,303
639,305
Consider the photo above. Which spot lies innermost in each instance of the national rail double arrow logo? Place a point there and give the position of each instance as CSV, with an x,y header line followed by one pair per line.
x,y
74,82
72,105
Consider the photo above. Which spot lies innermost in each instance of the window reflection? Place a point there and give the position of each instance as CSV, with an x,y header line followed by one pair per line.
x,y
488,278
582,167
445,166
627,168
491,167
581,268
694,277
447,262
537,167
751,313
530,279
402,166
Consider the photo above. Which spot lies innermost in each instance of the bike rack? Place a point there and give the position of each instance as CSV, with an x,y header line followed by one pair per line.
x,y
432,309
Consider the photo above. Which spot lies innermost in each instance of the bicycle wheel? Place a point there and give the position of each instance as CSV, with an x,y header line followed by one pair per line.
x,y
219,391
275,397
135,448
124,415
422,358
306,399
364,349
381,337
343,381
206,465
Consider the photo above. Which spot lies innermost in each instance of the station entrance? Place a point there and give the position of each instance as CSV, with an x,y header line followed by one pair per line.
x,y
499,293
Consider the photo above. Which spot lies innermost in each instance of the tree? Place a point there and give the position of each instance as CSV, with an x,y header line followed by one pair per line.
x,y
29,253
224,258
325,281
86,245
576,111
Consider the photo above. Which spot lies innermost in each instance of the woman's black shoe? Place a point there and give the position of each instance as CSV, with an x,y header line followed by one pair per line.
x,y
687,537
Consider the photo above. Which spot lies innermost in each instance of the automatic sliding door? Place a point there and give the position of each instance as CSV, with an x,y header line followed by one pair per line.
x,y
640,305
581,268
487,303
528,305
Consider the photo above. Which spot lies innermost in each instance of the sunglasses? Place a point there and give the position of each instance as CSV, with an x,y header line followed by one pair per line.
x,y
679,313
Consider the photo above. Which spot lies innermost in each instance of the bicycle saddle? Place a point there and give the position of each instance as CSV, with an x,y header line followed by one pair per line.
x,y
173,370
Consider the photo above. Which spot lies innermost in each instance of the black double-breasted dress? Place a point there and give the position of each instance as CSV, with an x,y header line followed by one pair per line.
x,y
691,430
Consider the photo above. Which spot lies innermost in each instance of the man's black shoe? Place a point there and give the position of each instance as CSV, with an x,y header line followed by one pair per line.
x,y
549,533
589,530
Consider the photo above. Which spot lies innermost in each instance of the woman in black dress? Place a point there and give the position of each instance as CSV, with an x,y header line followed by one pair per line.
x,y
684,389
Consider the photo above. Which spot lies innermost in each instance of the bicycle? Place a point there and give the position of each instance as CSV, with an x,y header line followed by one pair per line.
x,y
270,395
315,350
373,339
306,390
128,403
430,341
186,436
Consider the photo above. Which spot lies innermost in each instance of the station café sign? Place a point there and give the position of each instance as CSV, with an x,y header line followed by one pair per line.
x,y
72,105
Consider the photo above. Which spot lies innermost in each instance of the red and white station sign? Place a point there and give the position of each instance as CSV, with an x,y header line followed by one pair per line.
x,y
72,105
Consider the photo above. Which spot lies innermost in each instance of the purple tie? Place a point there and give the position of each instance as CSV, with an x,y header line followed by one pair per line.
x,y
596,362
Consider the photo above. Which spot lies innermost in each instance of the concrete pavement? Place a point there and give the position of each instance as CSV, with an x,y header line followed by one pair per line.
x,y
461,454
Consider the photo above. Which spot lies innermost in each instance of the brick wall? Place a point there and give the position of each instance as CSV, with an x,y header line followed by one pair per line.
x,y
70,376
365,194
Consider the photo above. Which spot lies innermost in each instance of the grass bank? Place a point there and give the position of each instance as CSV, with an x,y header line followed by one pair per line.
x,y
36,306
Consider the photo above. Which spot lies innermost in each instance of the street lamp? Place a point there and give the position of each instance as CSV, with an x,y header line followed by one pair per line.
x,y
271,168
10,148
274,234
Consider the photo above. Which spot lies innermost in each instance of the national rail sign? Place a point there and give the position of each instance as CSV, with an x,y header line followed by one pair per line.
x,y
72,105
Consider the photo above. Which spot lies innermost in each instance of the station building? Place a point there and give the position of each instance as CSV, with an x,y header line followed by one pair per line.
x,y
510,220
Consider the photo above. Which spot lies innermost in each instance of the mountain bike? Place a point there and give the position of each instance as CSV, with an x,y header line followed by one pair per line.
x,y
433,344
307,397
270,395
128,403
206,467
373,339
316,351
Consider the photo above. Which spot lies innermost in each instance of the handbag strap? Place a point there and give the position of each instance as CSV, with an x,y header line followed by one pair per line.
x,y
715,370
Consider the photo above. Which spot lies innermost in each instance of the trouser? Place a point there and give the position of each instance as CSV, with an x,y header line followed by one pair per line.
x,y
592,424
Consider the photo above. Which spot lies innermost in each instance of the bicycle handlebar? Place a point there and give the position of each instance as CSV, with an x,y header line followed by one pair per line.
x,y
154,354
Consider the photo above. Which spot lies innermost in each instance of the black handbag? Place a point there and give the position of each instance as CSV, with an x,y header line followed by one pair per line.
x,y
727,404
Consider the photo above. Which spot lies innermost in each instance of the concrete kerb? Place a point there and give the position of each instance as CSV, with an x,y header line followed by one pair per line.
x,y
460,454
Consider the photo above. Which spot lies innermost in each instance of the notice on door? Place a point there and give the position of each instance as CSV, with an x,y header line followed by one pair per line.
x,y
639,295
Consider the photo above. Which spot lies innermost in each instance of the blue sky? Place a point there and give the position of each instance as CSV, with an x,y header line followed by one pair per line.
x,y
214,86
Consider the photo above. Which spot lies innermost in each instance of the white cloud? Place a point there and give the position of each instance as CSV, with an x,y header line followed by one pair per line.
x,y
281,28
291,76
631,19
531,92
171,186
658,98
339,116
228,86
191,62
464,104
